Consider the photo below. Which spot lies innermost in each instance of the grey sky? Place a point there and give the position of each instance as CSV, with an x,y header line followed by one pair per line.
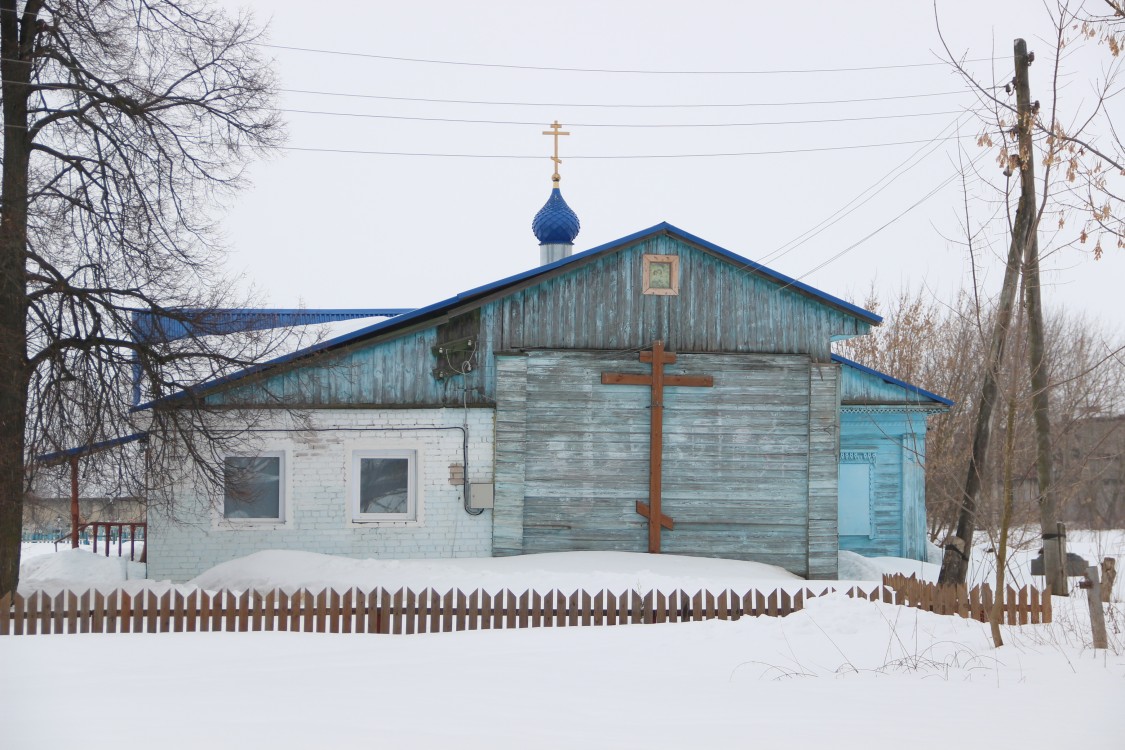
x,y
355,230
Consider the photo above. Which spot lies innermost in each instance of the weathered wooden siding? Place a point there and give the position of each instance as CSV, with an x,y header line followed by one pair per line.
x,y
914,490
392,372
511,434
824,442
597,305
720,308
736,456
898,511
858,387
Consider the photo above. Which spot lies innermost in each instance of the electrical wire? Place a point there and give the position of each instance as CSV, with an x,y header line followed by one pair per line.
x,y
630,71
874,189
865,118
940,186
850,147
812,102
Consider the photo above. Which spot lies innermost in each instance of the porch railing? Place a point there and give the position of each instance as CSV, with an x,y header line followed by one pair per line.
x,y
111,531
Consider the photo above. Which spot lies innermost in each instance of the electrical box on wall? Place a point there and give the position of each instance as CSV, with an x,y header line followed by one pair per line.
x,y
481,495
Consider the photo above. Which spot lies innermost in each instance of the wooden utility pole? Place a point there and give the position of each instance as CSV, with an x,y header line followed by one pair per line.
x,y
955,560
1054,559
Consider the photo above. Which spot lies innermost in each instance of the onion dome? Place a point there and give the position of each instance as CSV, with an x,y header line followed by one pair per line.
x,y
556,222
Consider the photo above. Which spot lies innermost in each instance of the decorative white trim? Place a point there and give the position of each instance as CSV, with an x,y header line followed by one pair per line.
x,y
893,409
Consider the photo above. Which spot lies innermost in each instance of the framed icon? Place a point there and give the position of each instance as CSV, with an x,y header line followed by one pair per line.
x,y
661,274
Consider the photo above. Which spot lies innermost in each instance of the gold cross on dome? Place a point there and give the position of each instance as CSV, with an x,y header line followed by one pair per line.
x,y
556,131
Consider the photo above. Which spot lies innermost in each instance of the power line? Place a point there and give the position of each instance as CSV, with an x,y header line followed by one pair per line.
x,y
940,186
622,125
861,100
630,71
871,191
849,147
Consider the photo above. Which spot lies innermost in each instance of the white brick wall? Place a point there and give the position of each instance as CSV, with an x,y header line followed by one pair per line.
x,y
317,468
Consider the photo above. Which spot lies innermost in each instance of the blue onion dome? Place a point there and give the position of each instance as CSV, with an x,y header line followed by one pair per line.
x,y
555,223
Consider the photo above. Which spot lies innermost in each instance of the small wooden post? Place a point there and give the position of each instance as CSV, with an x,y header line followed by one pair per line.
x,y
1094,598
1064,573
1109,575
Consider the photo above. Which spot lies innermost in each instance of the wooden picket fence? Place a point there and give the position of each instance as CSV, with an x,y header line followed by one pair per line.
x,y
379,611
1017,606
428,611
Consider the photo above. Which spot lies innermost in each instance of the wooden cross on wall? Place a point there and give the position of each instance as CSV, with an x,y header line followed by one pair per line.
x,y
657,381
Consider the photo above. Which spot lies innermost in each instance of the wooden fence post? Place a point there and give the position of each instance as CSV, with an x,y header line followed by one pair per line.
x,y
1094,598
1109,575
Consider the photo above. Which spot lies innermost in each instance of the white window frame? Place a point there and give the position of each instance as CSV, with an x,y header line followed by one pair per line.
x,y
282,491
413,514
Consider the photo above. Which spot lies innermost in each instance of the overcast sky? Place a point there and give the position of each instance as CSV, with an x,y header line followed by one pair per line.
x,y
325,229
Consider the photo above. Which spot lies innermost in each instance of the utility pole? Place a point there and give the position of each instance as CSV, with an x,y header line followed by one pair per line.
x,y
955,559
1054,557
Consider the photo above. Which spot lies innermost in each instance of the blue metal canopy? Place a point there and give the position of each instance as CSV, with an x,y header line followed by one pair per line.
x,y
84,450
181,323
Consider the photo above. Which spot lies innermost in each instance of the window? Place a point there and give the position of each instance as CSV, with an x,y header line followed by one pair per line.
x,y
384,485
253,487
855,493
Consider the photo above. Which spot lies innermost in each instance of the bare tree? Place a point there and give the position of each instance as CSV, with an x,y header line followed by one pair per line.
x,y
125,122
1080,158
927,342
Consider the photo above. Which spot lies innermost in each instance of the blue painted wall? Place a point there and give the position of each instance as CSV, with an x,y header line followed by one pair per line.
x,y
882,464
882,454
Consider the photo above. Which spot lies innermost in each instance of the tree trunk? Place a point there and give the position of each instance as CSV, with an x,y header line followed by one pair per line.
x,y
1005,523
15,71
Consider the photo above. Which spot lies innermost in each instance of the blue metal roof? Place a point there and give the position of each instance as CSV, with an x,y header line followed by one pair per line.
x,y
85,450
184,322
892,380
473,294
556,222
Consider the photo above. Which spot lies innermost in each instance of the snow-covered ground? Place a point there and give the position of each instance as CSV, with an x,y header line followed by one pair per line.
x,y
842,673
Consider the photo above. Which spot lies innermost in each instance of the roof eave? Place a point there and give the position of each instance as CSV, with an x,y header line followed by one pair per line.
x,y
893,380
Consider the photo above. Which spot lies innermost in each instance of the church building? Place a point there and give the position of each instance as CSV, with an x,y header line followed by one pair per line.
x,y
657,393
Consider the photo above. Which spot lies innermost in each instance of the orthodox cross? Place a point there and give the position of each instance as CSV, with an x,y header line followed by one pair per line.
x,y
657,381
556,132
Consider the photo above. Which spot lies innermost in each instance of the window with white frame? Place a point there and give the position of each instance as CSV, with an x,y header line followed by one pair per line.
x,y
254,487
384,485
